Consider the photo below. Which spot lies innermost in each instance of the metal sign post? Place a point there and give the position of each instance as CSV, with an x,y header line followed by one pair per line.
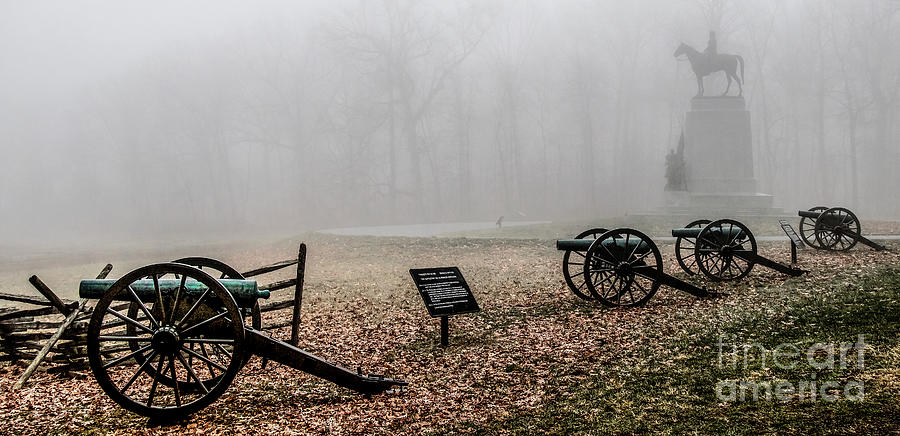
x,y
444,292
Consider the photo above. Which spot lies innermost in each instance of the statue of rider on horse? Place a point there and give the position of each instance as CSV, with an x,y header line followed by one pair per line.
x,y
711,61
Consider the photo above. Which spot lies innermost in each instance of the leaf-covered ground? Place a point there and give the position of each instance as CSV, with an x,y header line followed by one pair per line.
x,y
535,359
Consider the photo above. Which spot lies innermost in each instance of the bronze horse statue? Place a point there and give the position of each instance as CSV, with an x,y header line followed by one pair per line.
x,y
705,64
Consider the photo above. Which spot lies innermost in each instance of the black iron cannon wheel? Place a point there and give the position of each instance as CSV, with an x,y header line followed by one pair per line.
x,y
165,329
684,249
573,271
717,246
616,268
835,229
808,228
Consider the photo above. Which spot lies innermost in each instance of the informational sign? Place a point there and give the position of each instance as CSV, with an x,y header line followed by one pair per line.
x,y
789,231
444,291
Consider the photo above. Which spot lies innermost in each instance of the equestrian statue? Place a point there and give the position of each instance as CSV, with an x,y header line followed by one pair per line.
x,y
711,61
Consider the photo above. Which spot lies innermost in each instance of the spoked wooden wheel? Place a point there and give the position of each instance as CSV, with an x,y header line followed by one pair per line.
x,y
834,227
808,228
164,378
717,245
616,268
573,269
216,269
684,249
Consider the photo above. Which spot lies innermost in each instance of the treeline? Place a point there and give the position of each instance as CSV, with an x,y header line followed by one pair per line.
x,y
411,111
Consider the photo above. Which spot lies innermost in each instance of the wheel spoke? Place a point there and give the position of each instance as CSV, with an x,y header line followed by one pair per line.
x,y
191,372
117,338
203,358
129,320
175,381
639,285
628,287
126,357
630,255
641,257
729,265
194,307
155,381
735,237
159,297
608,276
143,308
641,271
138,372
223,350
612,257
203,350
204,322
178,293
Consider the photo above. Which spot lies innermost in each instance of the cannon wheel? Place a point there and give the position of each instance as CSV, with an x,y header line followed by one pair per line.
x,y
214,319
574,271
614,276
714,251
216,269
808,228
826,234
684,249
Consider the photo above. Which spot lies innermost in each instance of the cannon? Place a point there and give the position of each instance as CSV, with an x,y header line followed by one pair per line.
x,y
619,268
722,250
183,339
834,229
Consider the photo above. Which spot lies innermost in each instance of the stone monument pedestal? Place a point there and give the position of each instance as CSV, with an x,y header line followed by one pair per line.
x,y
718,156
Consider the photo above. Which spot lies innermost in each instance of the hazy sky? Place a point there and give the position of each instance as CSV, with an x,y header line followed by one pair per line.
x,y
229,107
53,48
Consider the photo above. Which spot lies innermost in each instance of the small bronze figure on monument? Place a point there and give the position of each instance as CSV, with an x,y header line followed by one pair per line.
x,y
676,179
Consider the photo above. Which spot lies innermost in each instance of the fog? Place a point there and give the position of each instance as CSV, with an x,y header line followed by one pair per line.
x,y
210,119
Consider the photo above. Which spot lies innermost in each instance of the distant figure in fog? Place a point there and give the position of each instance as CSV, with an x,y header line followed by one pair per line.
x,y
500,222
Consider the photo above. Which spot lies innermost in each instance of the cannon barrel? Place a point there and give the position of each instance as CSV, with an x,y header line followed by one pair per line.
x,y
574,244
693,232
585,244
245,292
809,214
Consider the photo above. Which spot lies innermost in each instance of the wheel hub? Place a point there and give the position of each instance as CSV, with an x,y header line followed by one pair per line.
x,y
165,340
623,269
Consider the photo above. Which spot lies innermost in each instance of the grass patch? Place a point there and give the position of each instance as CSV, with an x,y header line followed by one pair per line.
x,y
672,389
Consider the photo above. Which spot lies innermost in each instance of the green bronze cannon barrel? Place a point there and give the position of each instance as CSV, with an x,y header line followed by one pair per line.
x,y
610,243
809,214
245,292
